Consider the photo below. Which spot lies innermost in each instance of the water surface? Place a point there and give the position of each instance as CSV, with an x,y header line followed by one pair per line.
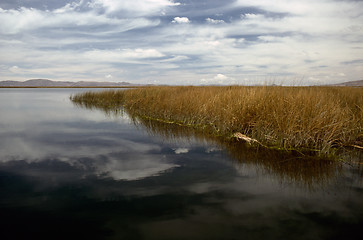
x,y
68,171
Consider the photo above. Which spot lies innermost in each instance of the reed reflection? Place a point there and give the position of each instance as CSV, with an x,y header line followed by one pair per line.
x,y
307,171
288,167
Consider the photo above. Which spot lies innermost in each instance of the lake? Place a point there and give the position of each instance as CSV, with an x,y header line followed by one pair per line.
x,y
70,171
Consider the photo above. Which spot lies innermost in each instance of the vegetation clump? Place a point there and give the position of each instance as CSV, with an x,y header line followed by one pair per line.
x,y
314,118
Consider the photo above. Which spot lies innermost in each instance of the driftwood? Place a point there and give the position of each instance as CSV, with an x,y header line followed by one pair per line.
x,y
243,137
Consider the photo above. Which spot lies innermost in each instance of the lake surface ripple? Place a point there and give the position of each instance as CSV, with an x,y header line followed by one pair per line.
x,y
73,171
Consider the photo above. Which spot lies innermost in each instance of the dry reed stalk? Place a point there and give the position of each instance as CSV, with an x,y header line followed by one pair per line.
x,y
287,117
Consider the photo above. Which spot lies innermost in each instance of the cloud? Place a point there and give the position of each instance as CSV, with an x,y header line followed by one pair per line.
x,y
15,21
181,150
69,7
142,53
120,55
214,21
218,79
127,164
331,19
181,20
30,20
108,155
134,7
138,167
292,6
247,41
14,69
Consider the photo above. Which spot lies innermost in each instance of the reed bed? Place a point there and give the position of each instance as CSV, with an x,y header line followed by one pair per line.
x,y
288,167
314,118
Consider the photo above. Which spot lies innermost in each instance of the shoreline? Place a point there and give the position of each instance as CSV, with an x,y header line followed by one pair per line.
x,y
320,119
70,87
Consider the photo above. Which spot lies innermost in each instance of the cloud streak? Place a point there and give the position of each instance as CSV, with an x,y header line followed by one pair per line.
x,y
138,7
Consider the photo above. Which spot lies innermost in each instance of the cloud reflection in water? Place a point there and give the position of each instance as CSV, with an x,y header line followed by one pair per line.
x,y
78,173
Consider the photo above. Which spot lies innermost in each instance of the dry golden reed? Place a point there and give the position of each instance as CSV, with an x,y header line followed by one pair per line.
x,y
319,118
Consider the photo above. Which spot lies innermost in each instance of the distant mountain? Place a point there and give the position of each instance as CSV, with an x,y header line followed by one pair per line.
x,y
351,84
50,83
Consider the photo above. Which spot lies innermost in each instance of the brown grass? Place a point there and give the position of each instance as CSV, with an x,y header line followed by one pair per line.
x,y
319,118
307,171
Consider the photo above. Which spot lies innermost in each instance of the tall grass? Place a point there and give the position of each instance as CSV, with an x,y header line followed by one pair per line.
x,y
286,117
288,167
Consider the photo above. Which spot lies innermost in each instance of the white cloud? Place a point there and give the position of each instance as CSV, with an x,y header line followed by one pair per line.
x,y
181,20
121,55
30,20
136,7
310,17
69,7
130,170
252,16
14,21
218,79
214,21
104,161
14,69
181,150
142,53
316,39
288,6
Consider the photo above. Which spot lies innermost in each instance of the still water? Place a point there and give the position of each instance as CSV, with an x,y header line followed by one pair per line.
x,y
68,171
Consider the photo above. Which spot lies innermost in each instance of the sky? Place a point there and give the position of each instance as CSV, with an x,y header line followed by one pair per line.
x,y
183,42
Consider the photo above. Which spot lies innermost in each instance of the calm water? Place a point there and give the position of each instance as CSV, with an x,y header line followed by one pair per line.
x,y
67,171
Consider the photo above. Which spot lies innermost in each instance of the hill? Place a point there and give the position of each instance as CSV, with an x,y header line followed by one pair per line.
x,y
50,83
351,84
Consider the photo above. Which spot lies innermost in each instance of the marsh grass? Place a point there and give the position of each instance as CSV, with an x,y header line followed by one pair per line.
x,y
287,167
313,118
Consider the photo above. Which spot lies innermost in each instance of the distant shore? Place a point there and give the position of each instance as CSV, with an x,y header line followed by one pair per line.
x,y
70,87
46,83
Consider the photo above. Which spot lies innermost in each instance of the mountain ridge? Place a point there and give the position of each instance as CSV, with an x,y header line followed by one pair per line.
x,y
358,83
50,83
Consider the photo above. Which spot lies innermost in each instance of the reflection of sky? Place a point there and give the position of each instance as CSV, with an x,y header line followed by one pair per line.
x,y
40,125
58,161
